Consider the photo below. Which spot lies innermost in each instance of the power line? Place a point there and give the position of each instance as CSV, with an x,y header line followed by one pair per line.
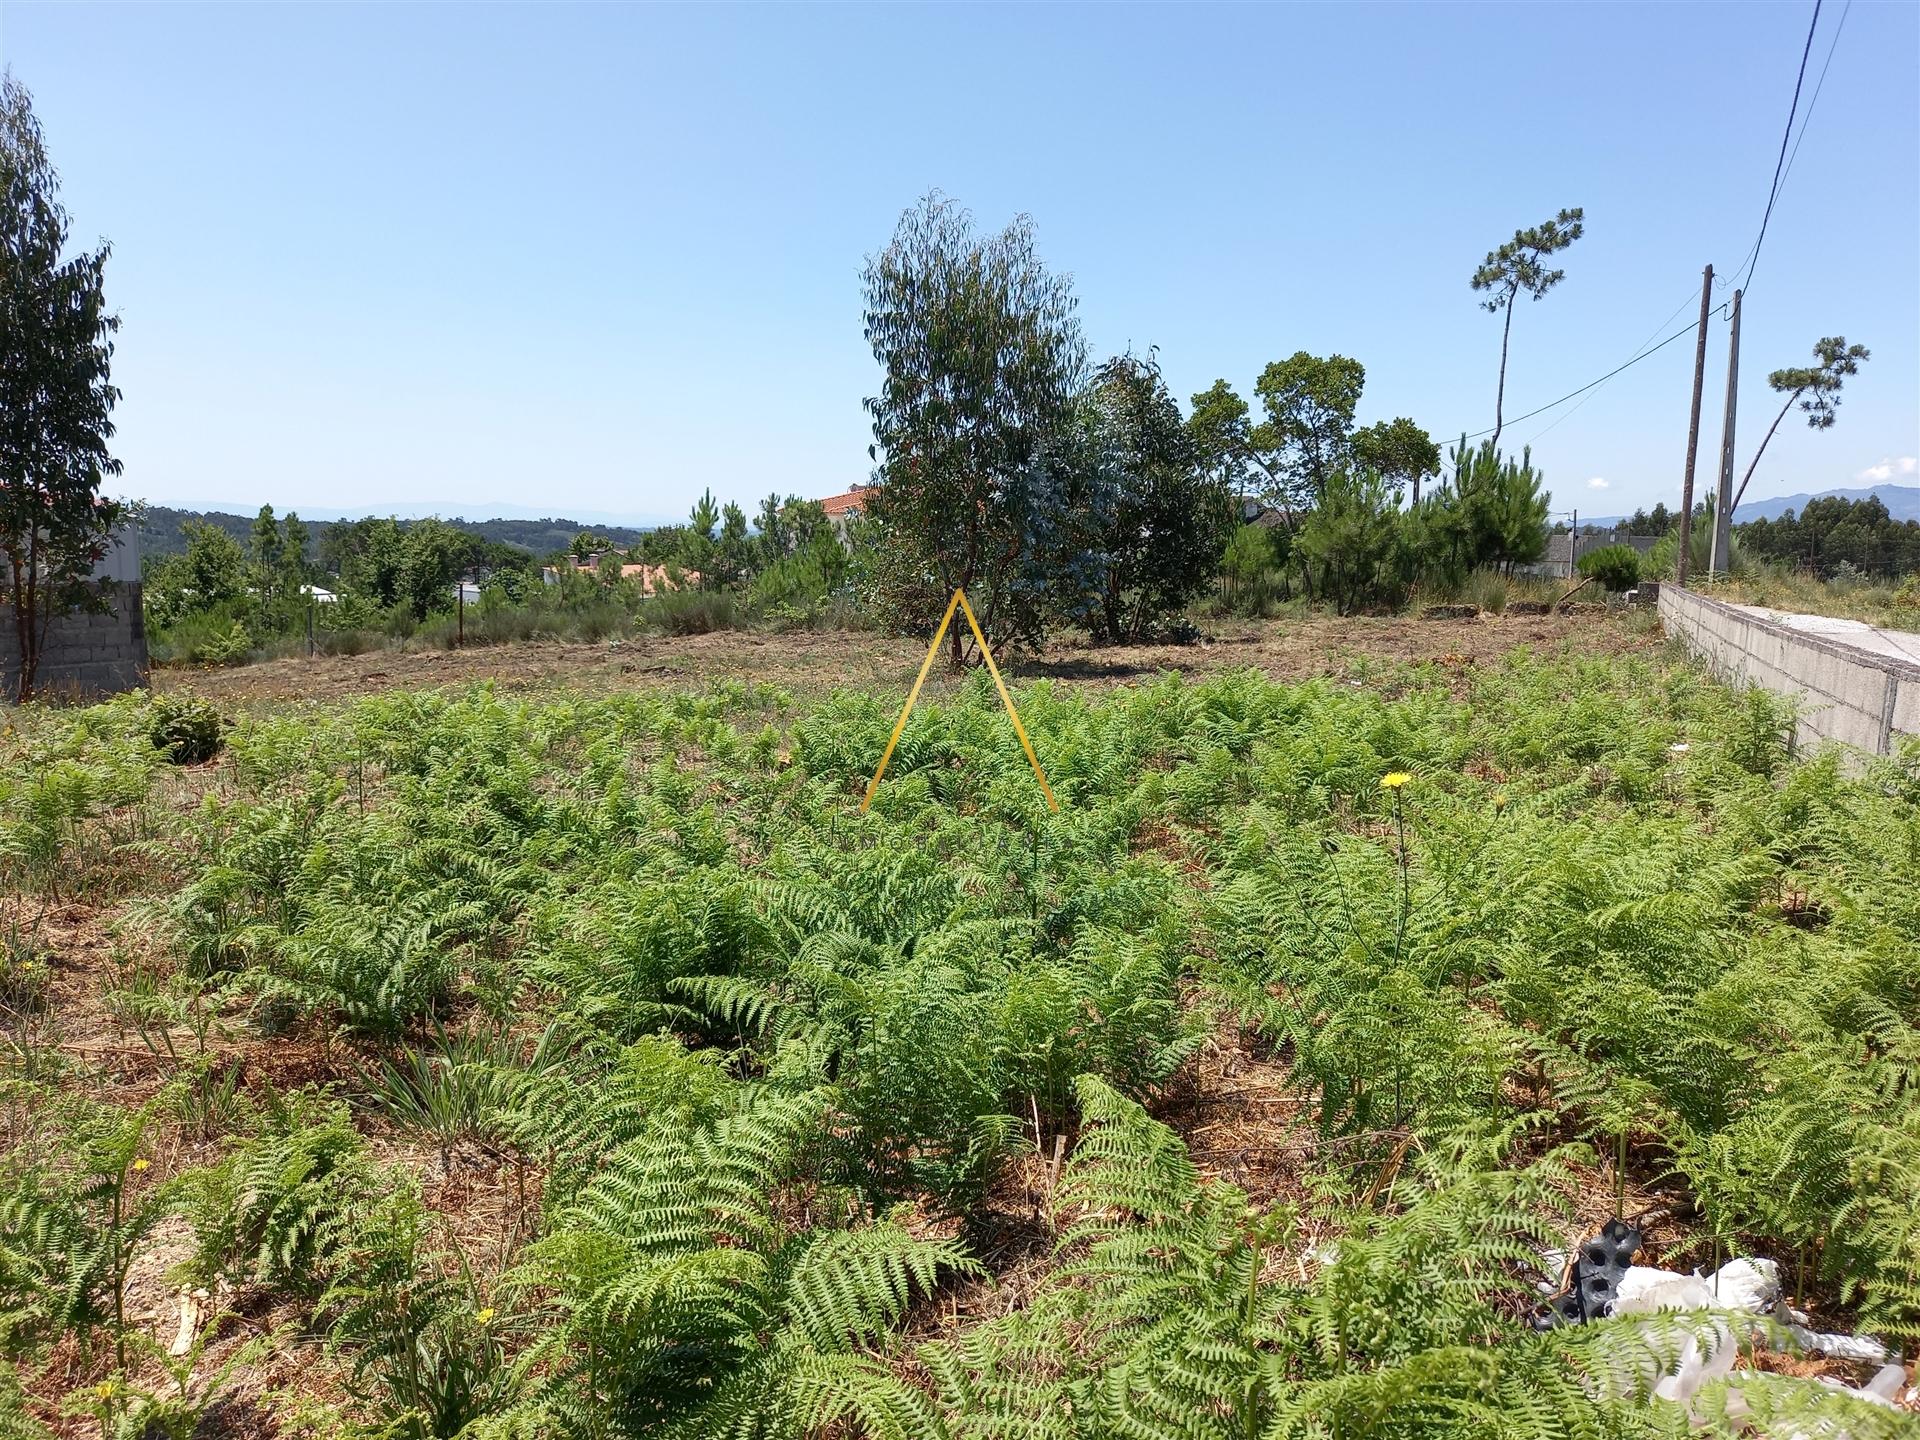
x,y
1818,86
1691,297
1779,165
1678,334
1783,165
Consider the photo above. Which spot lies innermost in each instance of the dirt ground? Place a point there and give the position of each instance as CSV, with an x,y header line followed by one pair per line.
x,y
1292,648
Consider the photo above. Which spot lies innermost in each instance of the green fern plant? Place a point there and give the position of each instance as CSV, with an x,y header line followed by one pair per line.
x,y
689,1303
272,1211
71,1226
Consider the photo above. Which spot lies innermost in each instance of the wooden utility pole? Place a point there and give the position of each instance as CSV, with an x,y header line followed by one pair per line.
x,y
1723,496
1573,546
1693,430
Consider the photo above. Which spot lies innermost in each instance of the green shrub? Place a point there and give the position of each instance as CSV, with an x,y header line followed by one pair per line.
x,y
1906,601
1615,566
692,612
185,729
216,637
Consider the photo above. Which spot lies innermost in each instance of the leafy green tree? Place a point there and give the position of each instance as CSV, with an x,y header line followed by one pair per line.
x,y
1520,266
368,555
1167,526
56,396
1309,426
1819,384
213,573
975,424
1223,436
1399,451
433,557
1650,522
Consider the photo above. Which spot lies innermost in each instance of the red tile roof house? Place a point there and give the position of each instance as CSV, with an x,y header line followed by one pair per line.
x,y
842,508
653,578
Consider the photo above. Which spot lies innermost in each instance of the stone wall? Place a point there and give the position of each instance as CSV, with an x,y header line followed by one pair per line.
x,y
84,655
1845,693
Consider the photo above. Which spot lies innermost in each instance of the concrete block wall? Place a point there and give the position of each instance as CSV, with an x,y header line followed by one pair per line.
x,y
1845,694
85,654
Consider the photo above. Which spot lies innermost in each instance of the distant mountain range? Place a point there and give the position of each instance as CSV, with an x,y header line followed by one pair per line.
x,y
597,520
1902,502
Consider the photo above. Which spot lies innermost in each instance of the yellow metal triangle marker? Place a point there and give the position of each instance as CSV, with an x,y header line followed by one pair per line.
x,y
959,600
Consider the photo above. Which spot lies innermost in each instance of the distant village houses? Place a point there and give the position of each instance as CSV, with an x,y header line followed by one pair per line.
x,y
652,579
844,508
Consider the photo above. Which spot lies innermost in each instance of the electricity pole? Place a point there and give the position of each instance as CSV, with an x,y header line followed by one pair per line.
x,y
1723,497
1693,431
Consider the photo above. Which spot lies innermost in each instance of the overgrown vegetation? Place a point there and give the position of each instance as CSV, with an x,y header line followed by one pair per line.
x,y
592,1067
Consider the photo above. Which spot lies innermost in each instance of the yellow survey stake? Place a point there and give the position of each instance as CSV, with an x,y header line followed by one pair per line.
x,y
959,601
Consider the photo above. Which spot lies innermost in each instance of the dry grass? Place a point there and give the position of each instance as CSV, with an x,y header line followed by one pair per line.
x,y
812,663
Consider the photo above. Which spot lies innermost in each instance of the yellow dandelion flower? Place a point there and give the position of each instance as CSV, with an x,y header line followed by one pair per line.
x,y
1500,801
1394,779
140,1164
485,1316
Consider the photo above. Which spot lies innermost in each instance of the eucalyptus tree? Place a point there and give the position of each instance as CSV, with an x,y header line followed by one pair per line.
x,y
1170,515
1518,267
977,421
1819,384
1222,431
56,395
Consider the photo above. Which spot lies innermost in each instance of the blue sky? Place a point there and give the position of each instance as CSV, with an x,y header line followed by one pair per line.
x,y
599,258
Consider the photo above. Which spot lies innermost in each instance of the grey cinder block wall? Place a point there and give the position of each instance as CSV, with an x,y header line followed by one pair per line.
x,y
1845,693
88,654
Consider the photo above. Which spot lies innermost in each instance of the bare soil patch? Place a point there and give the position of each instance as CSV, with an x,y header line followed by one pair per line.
x,y
1293,648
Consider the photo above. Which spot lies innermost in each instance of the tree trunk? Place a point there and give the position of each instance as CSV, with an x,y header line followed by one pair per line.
x,y
1734,508
22,627
1500,393
28,602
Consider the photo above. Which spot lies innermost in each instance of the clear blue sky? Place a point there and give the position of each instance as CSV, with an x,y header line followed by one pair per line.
x,y
596,259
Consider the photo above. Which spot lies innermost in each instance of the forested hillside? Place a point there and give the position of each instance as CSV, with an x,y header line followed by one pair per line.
x,y
163,533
